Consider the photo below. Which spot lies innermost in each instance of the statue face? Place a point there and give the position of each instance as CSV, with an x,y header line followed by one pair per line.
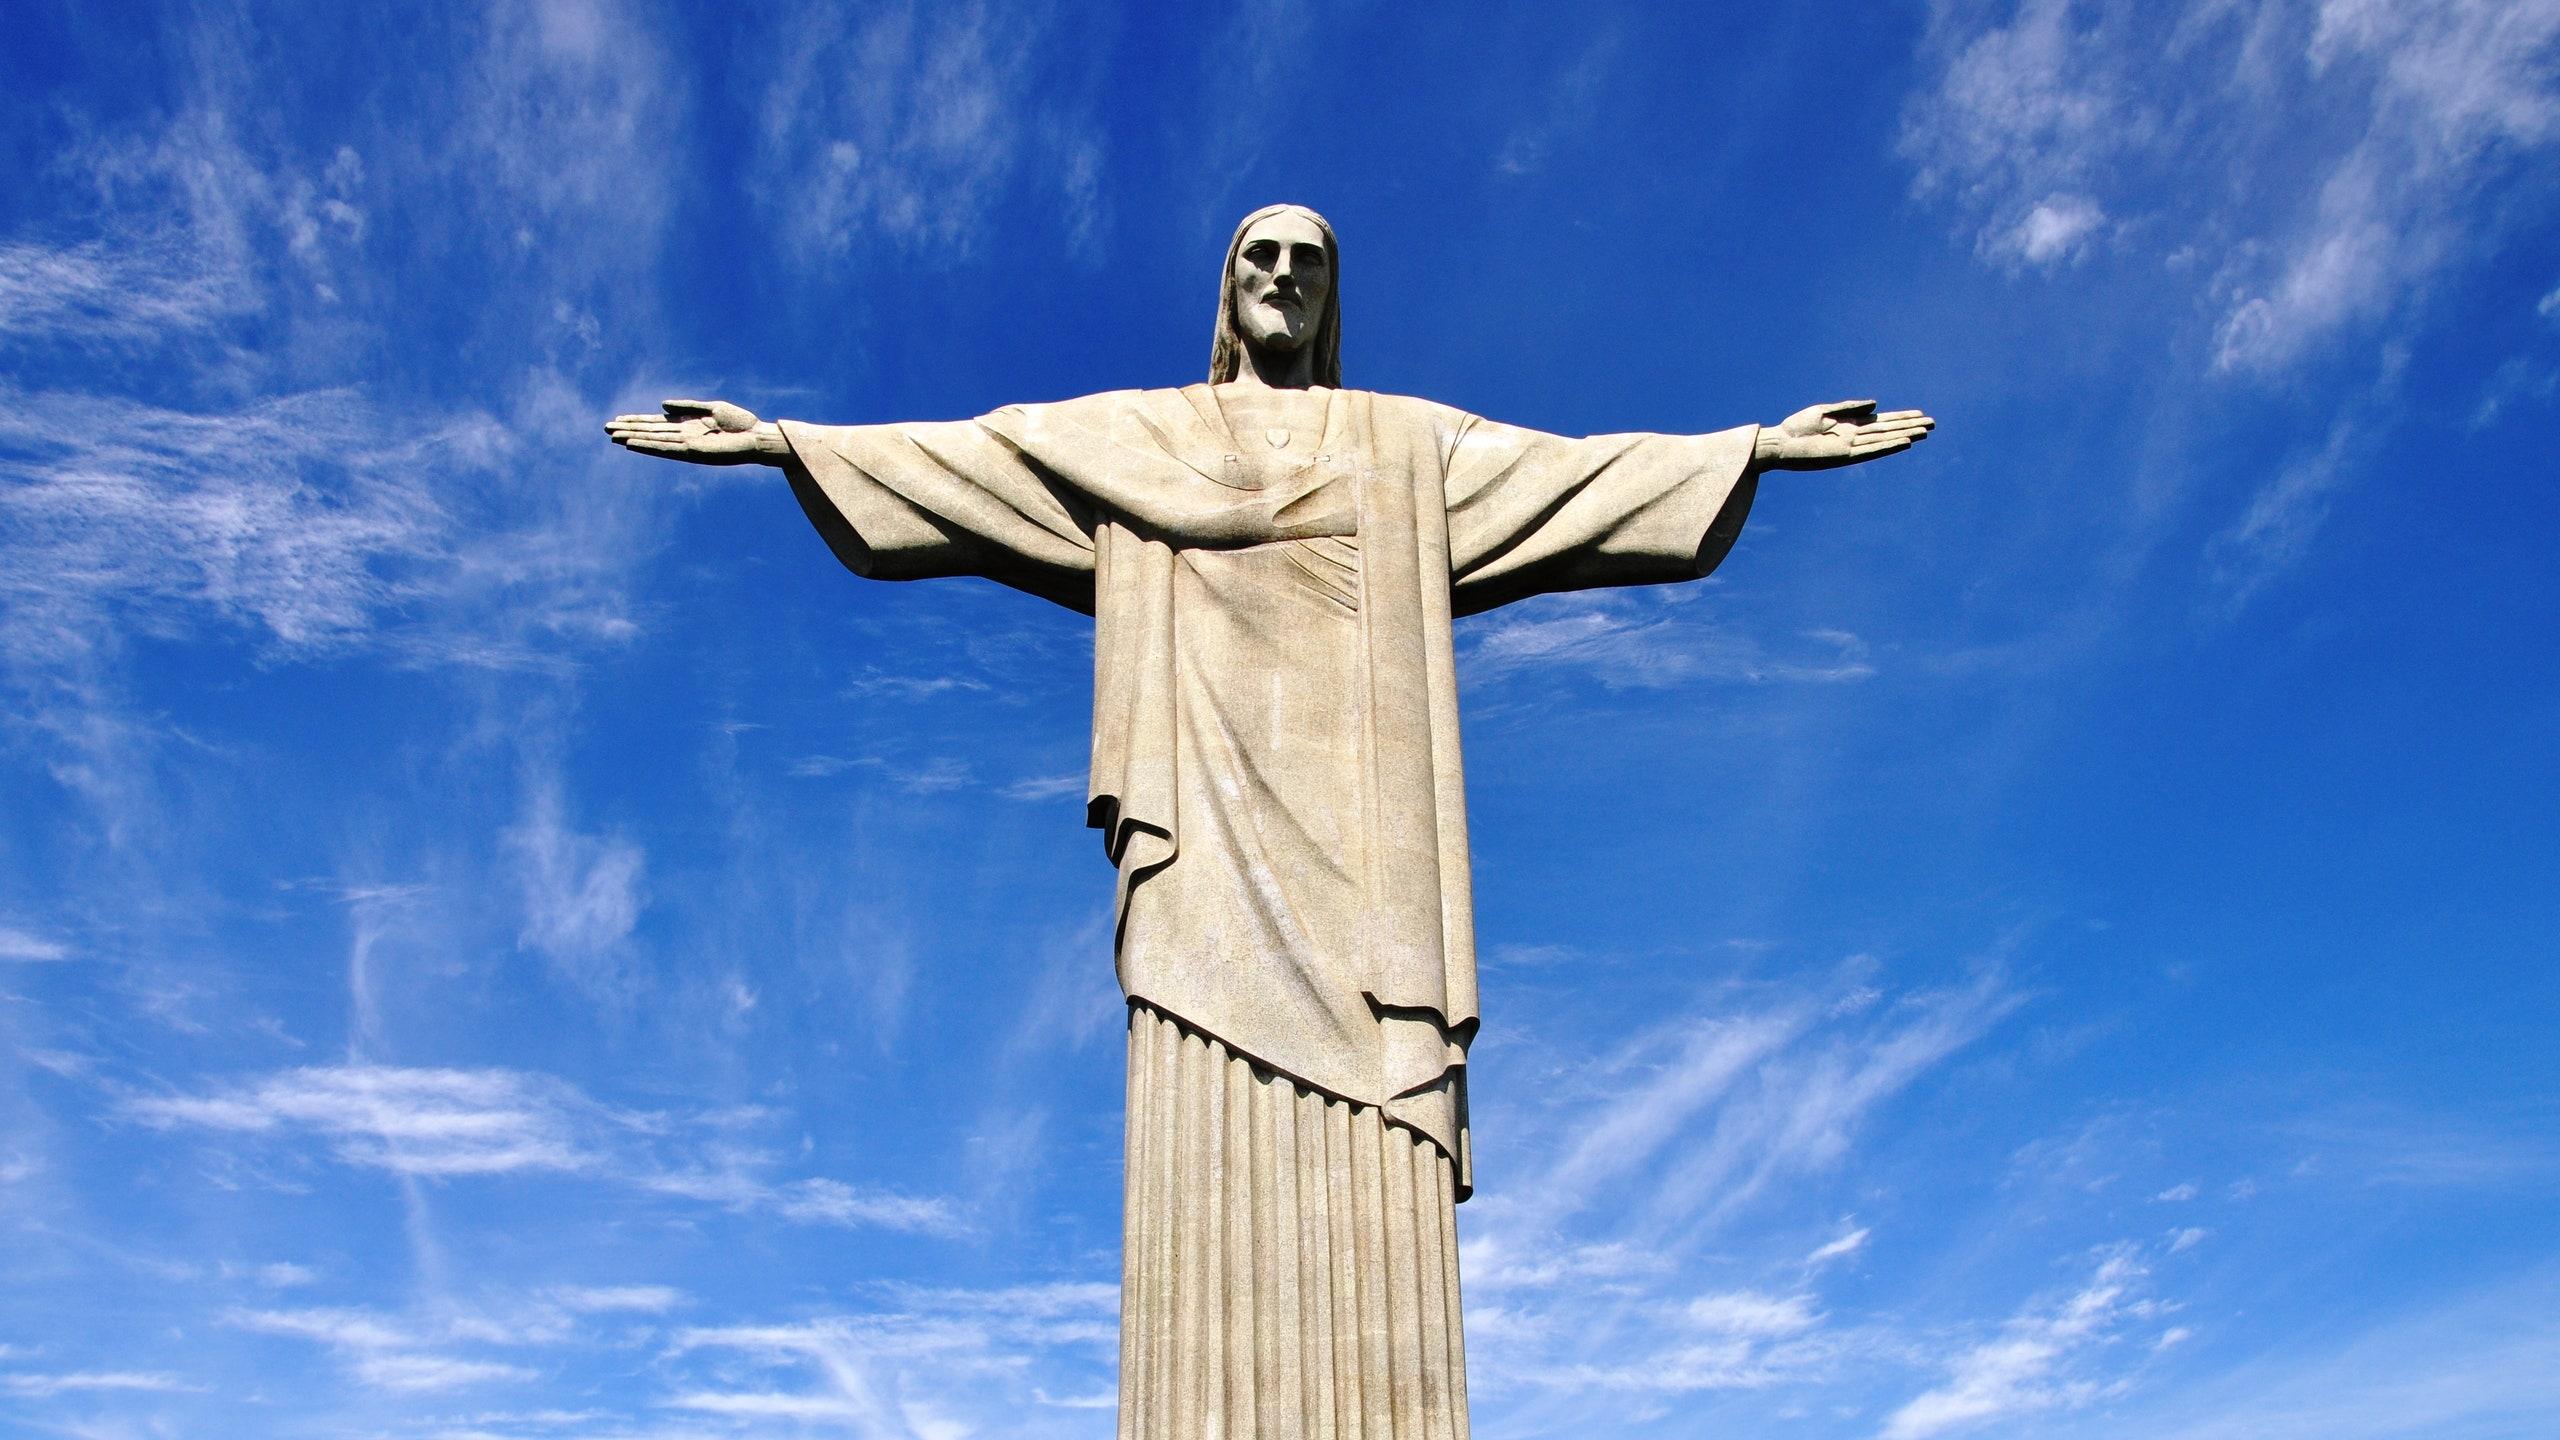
x,y
1283,280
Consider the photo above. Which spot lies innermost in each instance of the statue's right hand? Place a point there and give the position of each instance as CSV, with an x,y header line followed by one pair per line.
x,y
706,432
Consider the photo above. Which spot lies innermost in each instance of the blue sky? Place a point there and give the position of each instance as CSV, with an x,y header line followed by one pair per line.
x,y
500,938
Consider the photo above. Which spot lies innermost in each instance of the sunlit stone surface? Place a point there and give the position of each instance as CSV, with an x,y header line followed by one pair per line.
x,y
1272,563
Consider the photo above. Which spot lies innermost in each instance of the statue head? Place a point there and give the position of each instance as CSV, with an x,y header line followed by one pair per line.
x,y
1279,293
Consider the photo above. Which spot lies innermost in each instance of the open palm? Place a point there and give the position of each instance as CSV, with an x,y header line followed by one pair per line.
x,y
1843,432
706,432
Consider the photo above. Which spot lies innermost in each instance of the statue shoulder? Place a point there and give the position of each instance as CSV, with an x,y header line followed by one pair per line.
x,y
1092,409
1414,405
1447,422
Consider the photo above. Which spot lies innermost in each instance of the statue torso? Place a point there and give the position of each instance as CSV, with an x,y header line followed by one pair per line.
x,y
1272,425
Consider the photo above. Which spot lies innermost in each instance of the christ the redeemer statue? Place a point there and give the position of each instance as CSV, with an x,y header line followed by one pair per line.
x,y
1272,563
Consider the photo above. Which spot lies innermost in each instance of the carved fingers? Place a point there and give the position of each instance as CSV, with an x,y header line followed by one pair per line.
x,y
721,413
1825,419
1891,431
710,430
654,435
1843,432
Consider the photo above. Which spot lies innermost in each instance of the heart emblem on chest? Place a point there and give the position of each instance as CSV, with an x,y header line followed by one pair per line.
x,y
1279,438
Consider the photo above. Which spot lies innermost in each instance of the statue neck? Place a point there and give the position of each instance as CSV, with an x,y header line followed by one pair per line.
x,y
1278,369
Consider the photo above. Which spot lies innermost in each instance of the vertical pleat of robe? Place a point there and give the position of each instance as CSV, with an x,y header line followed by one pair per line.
x,y
1103,503
1290,1261
1298,1130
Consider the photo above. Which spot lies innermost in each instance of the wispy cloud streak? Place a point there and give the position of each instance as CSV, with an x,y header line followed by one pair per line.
x,y
1584,1277
912,125
912,1372
2345,146
1640,641
454,1123
2031,1365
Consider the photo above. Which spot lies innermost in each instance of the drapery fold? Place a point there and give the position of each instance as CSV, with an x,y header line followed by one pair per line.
x,y
1140,508
1290,1258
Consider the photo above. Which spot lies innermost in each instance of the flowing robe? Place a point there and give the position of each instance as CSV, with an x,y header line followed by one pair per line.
x,y
1276,777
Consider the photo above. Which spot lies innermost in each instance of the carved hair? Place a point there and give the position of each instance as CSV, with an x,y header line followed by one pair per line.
x,y
1226,349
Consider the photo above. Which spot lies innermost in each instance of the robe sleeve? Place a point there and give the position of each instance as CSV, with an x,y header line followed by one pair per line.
x,y
1532,513
919,501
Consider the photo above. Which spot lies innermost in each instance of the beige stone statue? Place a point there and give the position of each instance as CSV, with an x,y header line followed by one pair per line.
x,y
1272,563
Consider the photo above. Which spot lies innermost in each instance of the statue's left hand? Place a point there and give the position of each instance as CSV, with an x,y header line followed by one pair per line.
x,y
1844,432
706,432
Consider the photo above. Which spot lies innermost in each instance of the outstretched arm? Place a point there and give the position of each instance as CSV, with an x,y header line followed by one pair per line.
x,y
705,432
1532,514
1845,432
898,502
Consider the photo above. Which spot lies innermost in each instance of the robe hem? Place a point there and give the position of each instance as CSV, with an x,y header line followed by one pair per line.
x,y
1458,1166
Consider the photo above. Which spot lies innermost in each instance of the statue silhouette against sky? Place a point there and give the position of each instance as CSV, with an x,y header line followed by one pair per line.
x,y
1272,563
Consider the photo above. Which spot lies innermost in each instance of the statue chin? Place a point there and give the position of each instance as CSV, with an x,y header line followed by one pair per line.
x,y
1267,333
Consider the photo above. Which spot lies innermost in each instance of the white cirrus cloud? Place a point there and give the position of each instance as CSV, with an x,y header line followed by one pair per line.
x,y
834,1202
1713,1108
2276,530
1637,640
555,151
582,893
2054,230
937,776
414,1121
36,1386
2023,117
911,124
1750,1312
2479,1364
2345,148
1566,114
935,1363
1643,1171
1724,1341
1492,1260
608,1299
390,1353
123,514
1840,1249
445,1345
2034,1364
16,944
453,1123
140,289
416,1372
1045,787
2453,92
874,682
